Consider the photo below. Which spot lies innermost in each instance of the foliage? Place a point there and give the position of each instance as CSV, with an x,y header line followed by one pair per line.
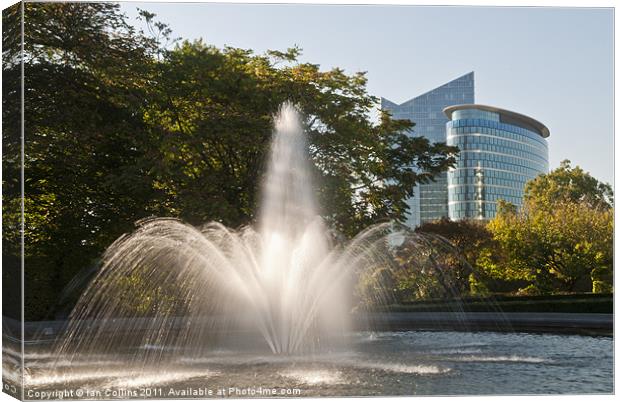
x,y
476,245
428,266
562,239
214,110
468,236
11,161
568,184
120,126
376,289
86,169
471,239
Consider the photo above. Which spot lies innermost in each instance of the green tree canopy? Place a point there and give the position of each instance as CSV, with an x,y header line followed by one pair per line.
x,y
475,242
467,235
568,184
562,239
214,110
86,145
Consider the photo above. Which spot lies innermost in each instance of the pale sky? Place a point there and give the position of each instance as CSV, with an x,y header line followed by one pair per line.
x,y
553,64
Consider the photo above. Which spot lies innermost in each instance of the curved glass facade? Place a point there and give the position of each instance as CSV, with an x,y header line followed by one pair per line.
x,y
497,158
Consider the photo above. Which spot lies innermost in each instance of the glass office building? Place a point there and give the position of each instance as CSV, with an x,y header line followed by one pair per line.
x,y
500,151
430,201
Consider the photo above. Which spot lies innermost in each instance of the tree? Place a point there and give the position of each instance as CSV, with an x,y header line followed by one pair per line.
x,y
475,243
562,239
11,167
429,266
87,149
214,111
568,184
468,236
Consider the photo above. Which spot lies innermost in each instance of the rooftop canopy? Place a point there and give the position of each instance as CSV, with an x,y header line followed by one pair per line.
x,y
506,116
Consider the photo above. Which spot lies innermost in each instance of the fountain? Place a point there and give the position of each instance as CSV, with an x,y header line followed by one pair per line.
x,y
172,284
176,311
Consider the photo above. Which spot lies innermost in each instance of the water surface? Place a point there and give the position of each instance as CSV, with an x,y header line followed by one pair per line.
x,y
381,363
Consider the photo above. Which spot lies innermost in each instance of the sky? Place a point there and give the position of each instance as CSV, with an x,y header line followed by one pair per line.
x,y
553,64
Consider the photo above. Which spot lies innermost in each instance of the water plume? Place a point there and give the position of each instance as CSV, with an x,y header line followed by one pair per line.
x,y
173,286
